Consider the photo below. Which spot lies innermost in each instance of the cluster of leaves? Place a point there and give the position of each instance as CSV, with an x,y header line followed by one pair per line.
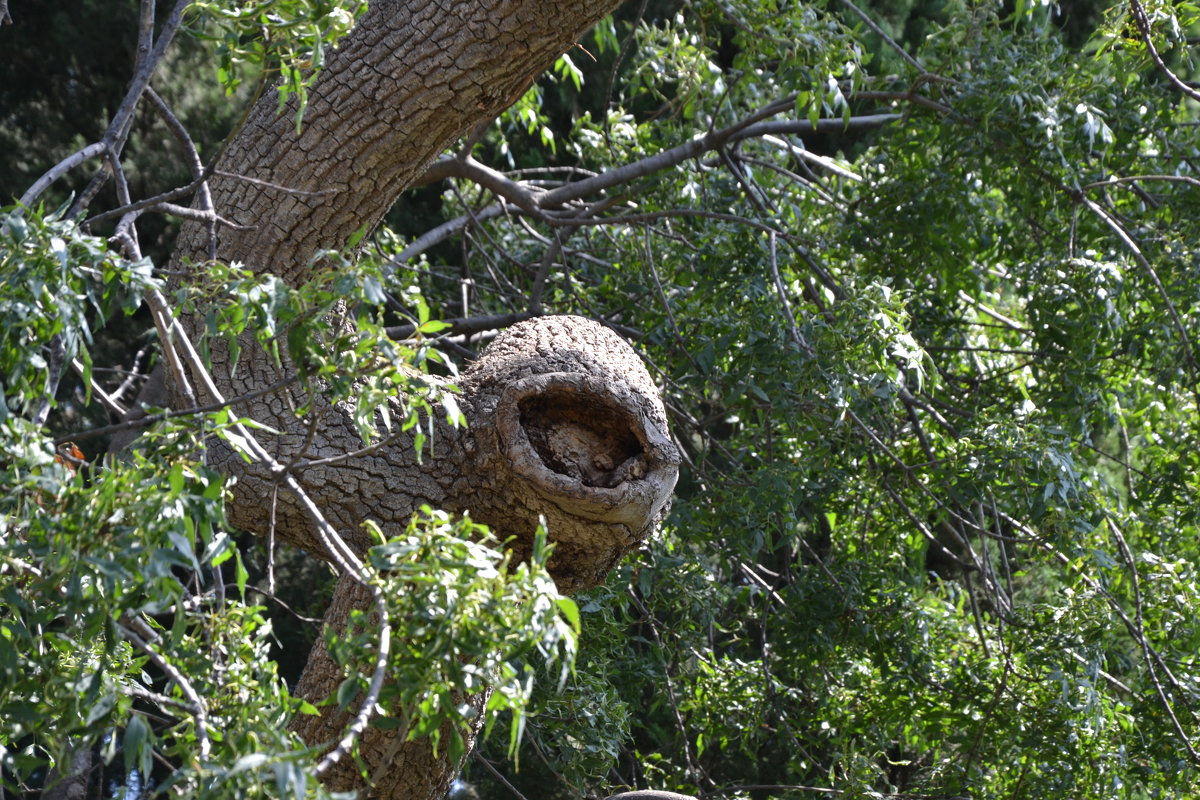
x,y
107,583
356,364
284,40
55,279
465,621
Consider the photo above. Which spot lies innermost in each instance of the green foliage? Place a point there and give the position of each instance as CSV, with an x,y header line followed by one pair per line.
x,y
118,633
935,381
918,547
464,620
54,277
284,39
98,562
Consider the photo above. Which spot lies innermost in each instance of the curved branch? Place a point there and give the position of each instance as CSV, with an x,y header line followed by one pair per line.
x,y
521,197
878,31
1143,26
95,150
1141,259
194,705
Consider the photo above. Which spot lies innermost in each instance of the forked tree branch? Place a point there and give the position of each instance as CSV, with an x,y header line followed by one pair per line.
x,y
541,204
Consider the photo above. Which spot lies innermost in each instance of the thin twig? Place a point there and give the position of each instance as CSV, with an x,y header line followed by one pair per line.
x,y
497,775
1138,256
122,121
878,31
95,150
195,704
787,307
1143,25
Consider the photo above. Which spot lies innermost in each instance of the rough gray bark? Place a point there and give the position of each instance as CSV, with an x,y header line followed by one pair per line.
x,y
81,780
564,422
412,77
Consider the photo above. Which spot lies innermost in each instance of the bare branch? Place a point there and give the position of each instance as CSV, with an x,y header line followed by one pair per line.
x,y
1139,178
69,163
105,398
335,546
183,212
543,273
194,705
870,23
497,775
485,176
441,233
151,419
783,300
147,61
1136,251
519,195
650,216
194,162
277,187
906,97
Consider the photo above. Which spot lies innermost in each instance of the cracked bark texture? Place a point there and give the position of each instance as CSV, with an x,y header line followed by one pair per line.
x,y
564,421
412,77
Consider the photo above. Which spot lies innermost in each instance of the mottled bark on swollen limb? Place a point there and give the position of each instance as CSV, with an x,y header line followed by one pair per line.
x,y
565,425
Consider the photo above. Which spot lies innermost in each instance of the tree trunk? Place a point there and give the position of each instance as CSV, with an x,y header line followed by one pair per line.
x,y
564,423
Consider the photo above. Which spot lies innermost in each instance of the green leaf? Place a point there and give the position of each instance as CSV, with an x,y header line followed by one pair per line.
x,y
247,762
137,737
571,611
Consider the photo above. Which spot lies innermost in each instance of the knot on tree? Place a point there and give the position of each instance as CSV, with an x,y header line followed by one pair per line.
x,y
569,427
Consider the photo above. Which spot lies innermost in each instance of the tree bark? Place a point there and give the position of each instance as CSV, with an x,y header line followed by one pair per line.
x,y
411,78
564,423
